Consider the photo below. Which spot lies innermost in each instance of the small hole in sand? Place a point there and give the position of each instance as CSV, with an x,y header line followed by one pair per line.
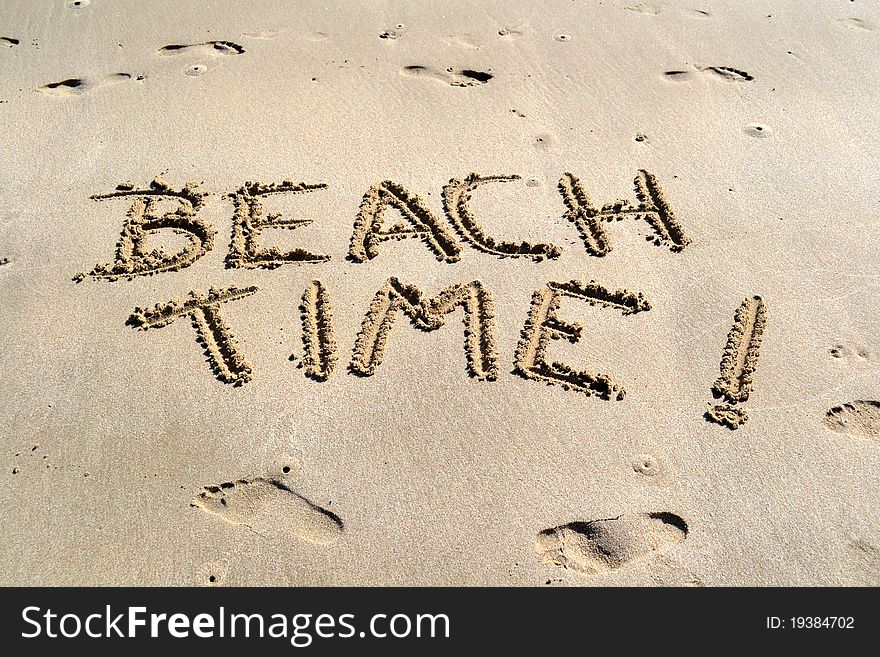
x,y
758,130
285,469
223,502
212,578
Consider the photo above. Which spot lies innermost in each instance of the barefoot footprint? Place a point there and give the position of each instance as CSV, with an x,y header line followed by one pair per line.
x,y
598,546
214,47
269,506
78,86
454,77
859,418
725,73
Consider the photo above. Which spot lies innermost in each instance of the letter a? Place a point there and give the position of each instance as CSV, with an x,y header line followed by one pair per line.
x,y
368,233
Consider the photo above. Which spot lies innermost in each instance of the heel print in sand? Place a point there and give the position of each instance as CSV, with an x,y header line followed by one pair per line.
x,y
598,546
269,507
738,364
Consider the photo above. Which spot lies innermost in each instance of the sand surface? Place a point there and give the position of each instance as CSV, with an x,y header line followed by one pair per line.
x,y
337,406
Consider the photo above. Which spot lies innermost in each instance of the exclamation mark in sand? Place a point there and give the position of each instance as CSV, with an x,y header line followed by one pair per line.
x,y
738,364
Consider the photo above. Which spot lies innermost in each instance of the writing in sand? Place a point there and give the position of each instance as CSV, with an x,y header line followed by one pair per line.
x,y
444,236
